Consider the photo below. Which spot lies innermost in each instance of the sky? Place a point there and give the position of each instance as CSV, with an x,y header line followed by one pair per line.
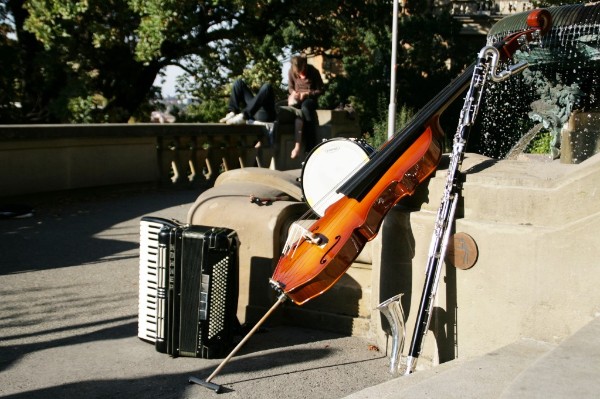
x,y
168,87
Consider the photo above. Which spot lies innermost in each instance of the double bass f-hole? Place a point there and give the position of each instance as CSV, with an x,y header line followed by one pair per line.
x,y
324,258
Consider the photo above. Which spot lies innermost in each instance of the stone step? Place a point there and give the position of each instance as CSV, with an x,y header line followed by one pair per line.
x,y
524,369
486,376
344,308
570,370
323,320
350,296
511,191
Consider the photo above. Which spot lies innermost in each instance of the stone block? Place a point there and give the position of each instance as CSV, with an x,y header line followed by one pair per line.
x,y
261,228
581,137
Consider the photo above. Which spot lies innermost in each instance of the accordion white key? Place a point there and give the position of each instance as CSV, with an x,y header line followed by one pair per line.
x,y
148,277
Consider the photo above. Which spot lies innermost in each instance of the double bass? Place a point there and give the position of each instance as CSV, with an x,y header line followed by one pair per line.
x,y
316,257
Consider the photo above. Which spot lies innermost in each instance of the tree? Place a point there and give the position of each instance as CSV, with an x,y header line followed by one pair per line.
x,y
76,62
430,54
108,53
8,51
96,60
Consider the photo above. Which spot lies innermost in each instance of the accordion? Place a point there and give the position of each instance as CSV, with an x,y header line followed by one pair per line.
x,y
188,288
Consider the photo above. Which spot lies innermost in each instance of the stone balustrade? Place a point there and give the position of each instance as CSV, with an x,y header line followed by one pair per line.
x,y
39,158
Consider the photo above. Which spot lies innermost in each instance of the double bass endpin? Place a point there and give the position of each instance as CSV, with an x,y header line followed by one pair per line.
x,y
216,387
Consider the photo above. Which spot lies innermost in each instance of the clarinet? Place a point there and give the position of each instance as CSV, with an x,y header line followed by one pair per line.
x,y
486,67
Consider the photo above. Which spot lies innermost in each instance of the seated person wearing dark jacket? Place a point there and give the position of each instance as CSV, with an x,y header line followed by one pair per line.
x,y
305,86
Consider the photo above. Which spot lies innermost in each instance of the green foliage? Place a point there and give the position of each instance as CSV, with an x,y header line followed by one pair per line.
x,y
540,144
380,125
203,112
430,55
9,83
63,56
82,109
263,71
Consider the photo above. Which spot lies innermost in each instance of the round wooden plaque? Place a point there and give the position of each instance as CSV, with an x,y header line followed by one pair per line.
x,y
462,251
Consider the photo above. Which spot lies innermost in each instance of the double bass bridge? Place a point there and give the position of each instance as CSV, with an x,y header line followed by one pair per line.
x,y
299,233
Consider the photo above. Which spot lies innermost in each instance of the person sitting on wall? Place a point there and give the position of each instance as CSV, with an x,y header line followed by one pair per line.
x,y
244,106
305,86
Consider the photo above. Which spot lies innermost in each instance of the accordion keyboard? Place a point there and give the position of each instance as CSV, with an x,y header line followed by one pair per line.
x,y
148,283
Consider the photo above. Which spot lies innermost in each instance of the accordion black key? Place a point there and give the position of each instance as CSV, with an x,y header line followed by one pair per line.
x,y
188,288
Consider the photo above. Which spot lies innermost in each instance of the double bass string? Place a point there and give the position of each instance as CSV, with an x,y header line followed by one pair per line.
x,y
371,172
299,228
361,179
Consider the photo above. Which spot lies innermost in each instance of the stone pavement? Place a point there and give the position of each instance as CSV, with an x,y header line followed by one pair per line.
x,y
68,319
68,326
